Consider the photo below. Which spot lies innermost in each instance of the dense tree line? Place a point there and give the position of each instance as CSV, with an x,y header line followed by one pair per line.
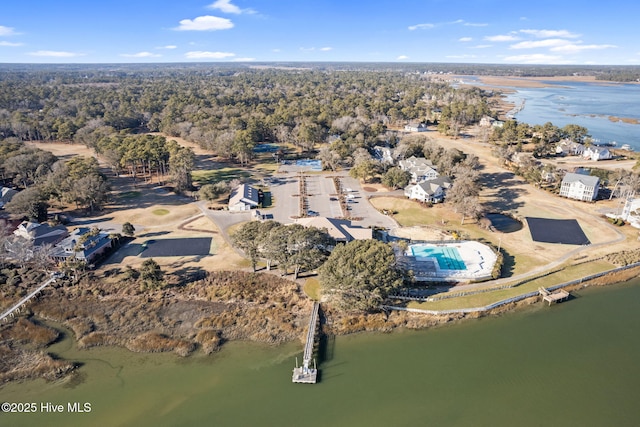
x,y
42,177
228,110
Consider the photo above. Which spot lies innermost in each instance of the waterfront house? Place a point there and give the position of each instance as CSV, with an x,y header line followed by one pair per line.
x,y
631,212
432,190
244,198
597,153
41,234
83,244
487,121
567,147
420,169
580,187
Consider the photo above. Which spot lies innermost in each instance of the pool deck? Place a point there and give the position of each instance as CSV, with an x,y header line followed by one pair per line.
x,y
477,258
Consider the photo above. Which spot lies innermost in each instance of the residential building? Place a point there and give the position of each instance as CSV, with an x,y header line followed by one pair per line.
x,y
580,187
415,127
597,153
631,212
41,234
6,194
433,190
383,154
340,229
420,169
244,198
567,147
84,244
487,121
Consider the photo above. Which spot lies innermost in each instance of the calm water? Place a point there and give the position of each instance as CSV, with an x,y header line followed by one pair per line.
x,y
584,104
575,364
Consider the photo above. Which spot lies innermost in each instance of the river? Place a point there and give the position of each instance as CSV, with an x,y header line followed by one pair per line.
x,y
586,104
573,364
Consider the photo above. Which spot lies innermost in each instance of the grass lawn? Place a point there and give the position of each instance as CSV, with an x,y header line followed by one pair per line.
x,y
483,299
215,175
130,194
160,212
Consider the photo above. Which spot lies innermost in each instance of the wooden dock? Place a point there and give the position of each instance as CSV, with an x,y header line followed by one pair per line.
x,y
553,297
304,373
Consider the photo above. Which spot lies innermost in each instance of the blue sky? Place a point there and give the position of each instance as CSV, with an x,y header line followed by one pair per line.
x,y
472,31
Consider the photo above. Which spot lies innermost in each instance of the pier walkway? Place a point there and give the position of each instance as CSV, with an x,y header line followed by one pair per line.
x,y
24,300
305,374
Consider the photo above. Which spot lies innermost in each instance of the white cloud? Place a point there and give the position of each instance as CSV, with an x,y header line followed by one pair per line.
x,y
427,26
307,49
199,54
7,31
226,7
169,46
575,48
421,27
537,58
543,34
534,44
205,23
502,38
326,49
55,53
276,50
474,24
402,57
483,46
141,55
5,43
465,39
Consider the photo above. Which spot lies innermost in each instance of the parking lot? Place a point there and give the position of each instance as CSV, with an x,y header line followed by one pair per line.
x,y
323,199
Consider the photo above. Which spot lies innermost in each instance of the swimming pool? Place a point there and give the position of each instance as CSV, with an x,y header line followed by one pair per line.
x,y
314,165
448,257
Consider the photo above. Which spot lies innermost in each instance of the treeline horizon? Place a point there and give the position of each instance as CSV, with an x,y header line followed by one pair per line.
x,y
620,73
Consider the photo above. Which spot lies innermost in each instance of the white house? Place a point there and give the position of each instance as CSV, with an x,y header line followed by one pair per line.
x,y
415,127
244,198
631,212
580,187
487,121
567,147
420,169
597,153
383,154
433,190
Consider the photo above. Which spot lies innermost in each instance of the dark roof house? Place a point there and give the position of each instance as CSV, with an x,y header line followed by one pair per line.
x,y
41,234
83,244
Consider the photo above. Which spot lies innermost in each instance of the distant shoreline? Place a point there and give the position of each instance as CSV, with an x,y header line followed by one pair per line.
x,y
505,85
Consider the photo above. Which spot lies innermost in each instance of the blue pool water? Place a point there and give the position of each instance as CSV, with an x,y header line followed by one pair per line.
x,y
448,258
314,165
